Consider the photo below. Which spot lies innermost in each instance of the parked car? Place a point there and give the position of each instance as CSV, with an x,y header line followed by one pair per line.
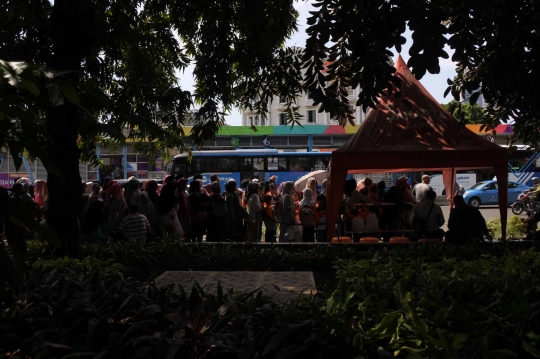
x,y
486,192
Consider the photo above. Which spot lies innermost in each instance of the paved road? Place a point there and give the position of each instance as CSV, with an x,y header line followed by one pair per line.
x,y
489,212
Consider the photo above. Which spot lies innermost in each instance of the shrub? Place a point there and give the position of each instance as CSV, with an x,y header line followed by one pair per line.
x,y
514,228
74,309
413,304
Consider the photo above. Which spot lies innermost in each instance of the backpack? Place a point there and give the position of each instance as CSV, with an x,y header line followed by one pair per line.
x,y
307,217
218,209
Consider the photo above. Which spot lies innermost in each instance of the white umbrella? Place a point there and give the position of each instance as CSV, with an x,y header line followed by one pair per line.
x,y
319,175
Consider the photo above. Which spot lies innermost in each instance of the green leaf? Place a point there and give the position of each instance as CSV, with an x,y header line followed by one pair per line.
x,y
459,339
474,98
530,349
30,86
100,97
501,353
387,327
447,91
412,351
68,90
55,97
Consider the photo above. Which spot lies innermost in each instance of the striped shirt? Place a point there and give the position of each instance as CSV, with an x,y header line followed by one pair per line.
x,y
134,226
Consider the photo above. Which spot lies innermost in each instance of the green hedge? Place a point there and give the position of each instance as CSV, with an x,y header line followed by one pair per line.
x,y
423,301
426,302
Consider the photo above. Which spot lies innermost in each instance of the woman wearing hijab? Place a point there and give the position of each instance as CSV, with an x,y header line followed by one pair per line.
x,y
312,184
184,208
234,220
151,187
307,215
117,206
408,201
199,204
167,208
218,214
287,209
40,192
132,192
254,207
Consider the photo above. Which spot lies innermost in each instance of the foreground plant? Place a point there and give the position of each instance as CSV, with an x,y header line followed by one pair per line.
x,y
415,306
88,309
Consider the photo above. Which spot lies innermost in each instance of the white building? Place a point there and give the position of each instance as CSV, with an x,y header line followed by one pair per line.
x,y
466,95
276,115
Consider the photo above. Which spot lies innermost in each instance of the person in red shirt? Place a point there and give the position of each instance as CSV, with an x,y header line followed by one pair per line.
x,y
269,219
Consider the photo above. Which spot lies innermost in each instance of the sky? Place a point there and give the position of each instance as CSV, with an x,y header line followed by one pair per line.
x,y
435,84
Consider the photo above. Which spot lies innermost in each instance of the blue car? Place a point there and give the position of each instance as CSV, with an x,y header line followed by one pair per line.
x,y
486,192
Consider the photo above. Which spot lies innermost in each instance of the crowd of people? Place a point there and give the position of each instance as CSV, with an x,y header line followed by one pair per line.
x,y
193,211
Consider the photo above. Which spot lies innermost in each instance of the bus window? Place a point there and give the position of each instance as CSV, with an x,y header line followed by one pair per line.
x,y
253,168
202,165
276,164
225,165
178,169
319,163
253,164
299,164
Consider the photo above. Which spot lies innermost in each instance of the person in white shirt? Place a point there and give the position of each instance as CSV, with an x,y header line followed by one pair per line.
x,y
421,189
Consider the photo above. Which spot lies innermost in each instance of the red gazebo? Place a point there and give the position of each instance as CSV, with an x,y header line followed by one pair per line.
x,y
413,132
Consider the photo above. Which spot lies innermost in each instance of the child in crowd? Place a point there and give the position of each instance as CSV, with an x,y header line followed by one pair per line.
x,y
365,221
135,225
269,219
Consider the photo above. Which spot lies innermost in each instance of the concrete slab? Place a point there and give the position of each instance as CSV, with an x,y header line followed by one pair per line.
x,y
280,285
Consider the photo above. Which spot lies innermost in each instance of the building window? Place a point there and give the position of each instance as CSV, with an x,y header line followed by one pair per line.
x,y
282,119
282,99
311,116
253,120
309,99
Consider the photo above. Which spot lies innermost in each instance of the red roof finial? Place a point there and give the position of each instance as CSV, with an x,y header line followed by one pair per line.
x,y
400,62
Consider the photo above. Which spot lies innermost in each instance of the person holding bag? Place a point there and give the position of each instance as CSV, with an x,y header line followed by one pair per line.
x,y
427,218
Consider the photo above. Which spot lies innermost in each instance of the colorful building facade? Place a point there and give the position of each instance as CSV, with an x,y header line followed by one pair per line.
x,y
121,160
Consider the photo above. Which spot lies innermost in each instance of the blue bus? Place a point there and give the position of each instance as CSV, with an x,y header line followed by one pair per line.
x,y
258,164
